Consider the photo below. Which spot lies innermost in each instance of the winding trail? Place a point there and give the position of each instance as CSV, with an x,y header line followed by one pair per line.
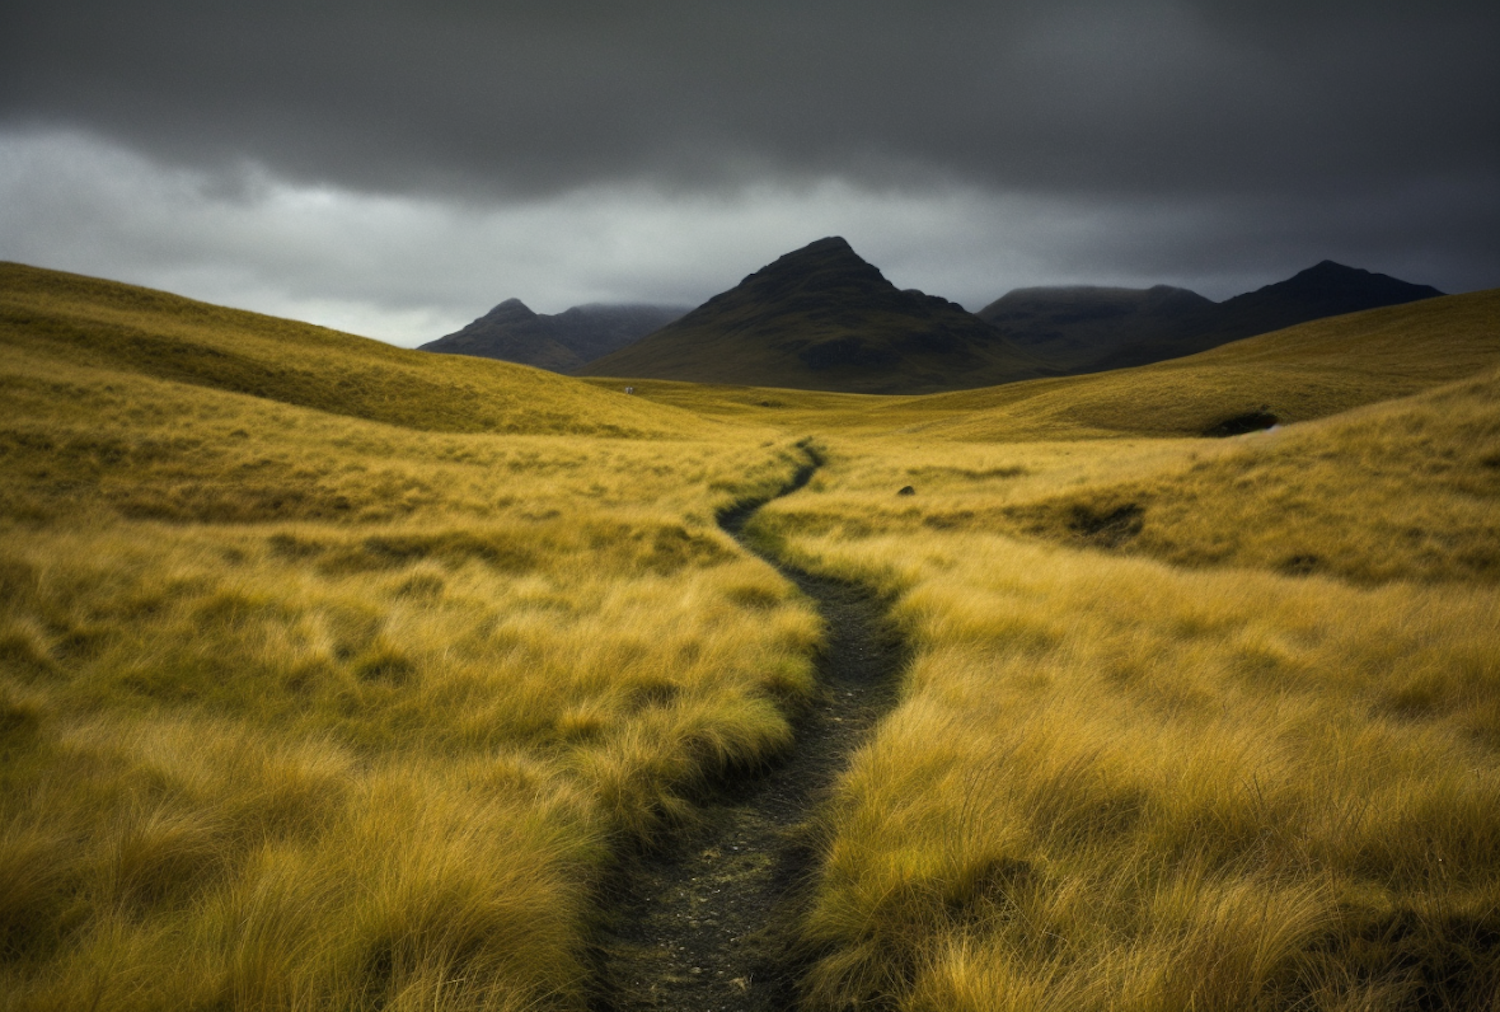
x,y
702,926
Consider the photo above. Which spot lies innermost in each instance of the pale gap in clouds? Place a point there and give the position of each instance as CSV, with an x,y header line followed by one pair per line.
x,y
396,169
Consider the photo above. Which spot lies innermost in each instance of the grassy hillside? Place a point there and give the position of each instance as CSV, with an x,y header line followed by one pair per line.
x,y
300,708
1268,779
1406,489
318,693
49,315
1403,489
1304,372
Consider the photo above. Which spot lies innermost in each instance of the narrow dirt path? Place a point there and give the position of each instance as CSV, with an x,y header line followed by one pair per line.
x,y
700,927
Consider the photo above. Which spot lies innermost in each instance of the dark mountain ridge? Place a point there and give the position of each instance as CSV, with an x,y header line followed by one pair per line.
x,y
1074,327
1088,329
1326,289
564,342
822,318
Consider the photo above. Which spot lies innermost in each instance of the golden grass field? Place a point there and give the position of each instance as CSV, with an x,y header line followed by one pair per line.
x,y
338,676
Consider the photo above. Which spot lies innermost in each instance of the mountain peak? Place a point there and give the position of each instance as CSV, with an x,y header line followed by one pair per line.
x,y
509,311
827,244
562,343
820,262
1325,270
1329,288
818,275
822,318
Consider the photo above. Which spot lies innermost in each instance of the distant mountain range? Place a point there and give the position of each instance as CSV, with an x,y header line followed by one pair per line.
x,y
1089,329
821,318
564,342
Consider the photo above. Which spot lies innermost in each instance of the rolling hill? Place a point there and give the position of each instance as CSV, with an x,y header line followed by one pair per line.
x,y
1297,374
564,342
1308,371
821,318
106,325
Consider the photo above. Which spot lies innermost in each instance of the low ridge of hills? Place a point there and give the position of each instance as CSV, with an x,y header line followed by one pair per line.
x,y
822,318
1090,329
564,342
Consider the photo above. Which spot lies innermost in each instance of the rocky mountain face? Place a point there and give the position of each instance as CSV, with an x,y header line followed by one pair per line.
x,y
564,342
1089,329
821,318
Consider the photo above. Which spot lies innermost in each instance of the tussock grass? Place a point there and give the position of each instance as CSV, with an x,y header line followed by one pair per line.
x,y
323,696
435,754
335,676
1113,784
1118,783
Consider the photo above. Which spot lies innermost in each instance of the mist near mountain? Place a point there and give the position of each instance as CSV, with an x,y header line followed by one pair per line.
x,y
564,342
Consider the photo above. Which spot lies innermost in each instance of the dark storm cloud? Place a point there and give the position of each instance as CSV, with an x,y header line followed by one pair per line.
x,y
535,97
396,167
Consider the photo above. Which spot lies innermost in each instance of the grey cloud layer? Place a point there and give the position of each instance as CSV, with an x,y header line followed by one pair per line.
x,y
394,166
533,97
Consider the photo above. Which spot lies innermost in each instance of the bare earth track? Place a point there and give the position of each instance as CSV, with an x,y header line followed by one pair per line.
x,y
702,924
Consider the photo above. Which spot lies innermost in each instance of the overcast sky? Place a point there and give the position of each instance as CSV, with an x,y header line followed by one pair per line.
x,y
396,168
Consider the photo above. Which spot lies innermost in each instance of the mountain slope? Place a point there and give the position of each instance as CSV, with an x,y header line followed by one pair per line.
x,y
1296,374
821,318
88,323
1074,327
562,343
1327,289
1089,329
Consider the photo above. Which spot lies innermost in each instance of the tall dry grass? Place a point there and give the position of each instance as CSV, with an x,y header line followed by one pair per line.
x,y
336,676
1402,489
1115,783
304,709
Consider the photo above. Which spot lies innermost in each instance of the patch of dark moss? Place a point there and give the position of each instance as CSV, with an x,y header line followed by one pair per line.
x,y
1238,425
1108,527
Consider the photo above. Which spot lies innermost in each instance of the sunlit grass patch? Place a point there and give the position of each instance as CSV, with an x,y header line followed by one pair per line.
x,y
343,687
335,676
595,688
1162,789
